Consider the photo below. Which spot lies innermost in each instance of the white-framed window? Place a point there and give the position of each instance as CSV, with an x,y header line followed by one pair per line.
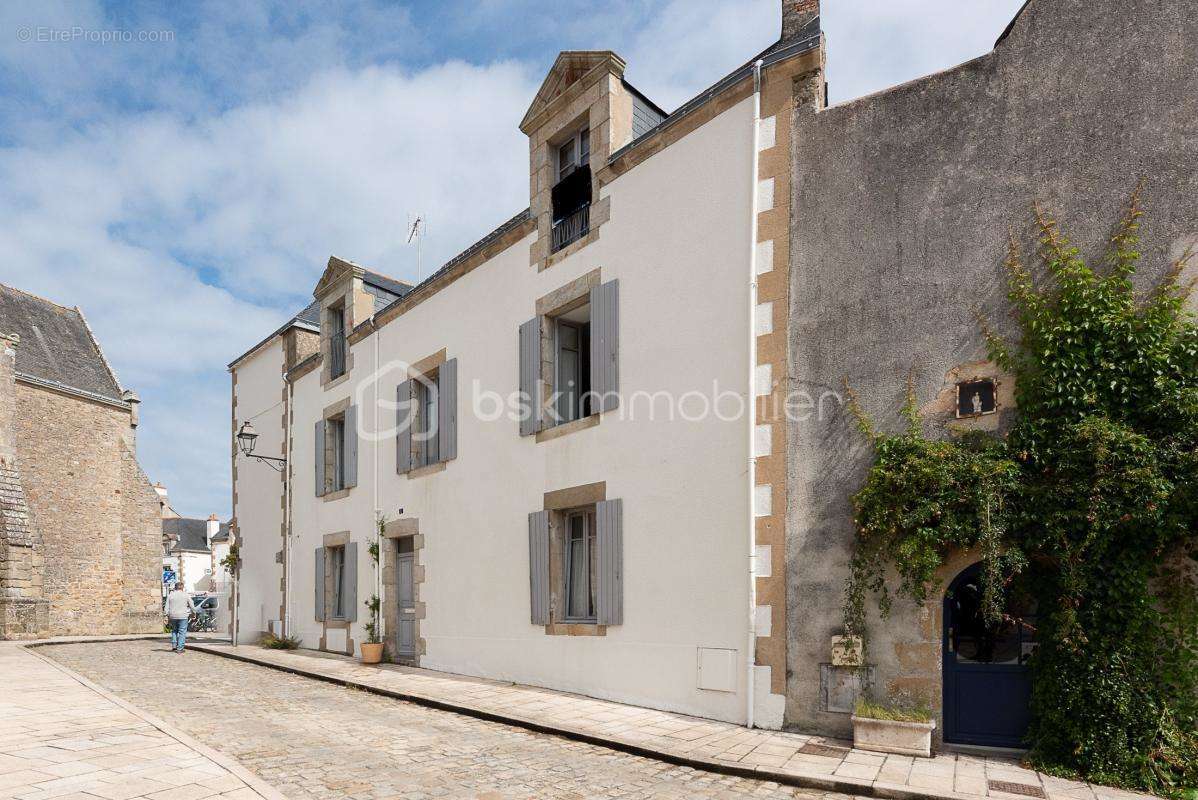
x,y
426,447
573,153
572,365
337,446
579,567
337,572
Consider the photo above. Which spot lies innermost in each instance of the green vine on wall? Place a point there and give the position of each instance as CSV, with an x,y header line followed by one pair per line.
x,y
1092,496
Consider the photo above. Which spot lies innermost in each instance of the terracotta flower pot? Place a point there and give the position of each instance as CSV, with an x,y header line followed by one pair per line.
x,y
372,653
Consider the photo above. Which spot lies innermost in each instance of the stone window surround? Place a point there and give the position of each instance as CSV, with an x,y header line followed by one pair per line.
x,y
339,539
559,502
389,609
562,300
333,412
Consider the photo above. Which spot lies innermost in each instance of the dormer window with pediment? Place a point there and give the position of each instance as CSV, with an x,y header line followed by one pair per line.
x,y
571,195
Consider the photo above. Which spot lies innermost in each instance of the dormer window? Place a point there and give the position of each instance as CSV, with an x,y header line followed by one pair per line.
x,y
571,195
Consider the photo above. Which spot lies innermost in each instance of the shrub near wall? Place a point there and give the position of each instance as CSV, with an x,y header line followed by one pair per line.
x,y
1092,498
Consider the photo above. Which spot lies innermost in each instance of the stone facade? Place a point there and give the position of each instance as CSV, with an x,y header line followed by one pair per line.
x,y
24,610
81,548
902,207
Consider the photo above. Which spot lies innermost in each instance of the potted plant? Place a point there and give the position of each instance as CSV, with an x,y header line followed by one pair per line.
x,y
905,729
372,648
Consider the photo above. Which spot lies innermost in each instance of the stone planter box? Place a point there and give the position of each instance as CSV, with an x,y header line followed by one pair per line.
x,y
890,736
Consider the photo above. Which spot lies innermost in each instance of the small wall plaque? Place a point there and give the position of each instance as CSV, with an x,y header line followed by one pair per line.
x,y
846,651
976,398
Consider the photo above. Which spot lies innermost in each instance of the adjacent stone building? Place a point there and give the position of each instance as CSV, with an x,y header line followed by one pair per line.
x,y
903,202
80,524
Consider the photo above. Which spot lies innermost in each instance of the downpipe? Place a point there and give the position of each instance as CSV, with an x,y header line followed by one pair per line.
x,y
751,645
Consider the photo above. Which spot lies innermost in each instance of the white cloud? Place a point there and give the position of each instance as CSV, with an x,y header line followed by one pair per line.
x,y
116,217
271,139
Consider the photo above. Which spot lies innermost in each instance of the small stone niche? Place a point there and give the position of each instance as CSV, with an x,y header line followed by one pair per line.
x,y
977,398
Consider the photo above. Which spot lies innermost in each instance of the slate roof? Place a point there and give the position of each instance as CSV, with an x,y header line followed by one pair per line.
x,y
57,346
192,534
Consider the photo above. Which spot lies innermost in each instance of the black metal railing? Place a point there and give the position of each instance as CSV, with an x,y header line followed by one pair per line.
x,y
336,354
572,228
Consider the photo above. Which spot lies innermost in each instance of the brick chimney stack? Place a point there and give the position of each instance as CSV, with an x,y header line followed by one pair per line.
x,y
213,528
796,14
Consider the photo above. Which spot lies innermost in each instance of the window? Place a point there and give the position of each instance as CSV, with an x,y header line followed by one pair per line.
x,y
337,452
336,321
580,561
425,445
336,447
571,196
976,398
337,573
569,365
572,365
426,418
575,152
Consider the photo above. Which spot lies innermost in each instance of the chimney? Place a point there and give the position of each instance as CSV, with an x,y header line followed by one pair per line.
x,y
213,528
796,14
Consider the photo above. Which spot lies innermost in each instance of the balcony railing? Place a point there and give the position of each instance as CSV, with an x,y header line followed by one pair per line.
x,y
572,228
337,354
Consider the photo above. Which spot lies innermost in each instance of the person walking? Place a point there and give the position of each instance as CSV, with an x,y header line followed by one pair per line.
x,y
178,609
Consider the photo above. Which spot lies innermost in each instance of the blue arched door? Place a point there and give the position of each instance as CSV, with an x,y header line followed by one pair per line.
x,y
987,684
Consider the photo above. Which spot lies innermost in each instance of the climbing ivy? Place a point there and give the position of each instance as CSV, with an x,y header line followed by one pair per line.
x,y
1093,495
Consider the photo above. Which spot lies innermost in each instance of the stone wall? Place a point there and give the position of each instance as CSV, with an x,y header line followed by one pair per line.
x,y
97,513
903,202
24,611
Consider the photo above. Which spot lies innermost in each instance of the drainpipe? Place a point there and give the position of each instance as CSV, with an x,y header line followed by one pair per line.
x,y
751,646
378,567
287,508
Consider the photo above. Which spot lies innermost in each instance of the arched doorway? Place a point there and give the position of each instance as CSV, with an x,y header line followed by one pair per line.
x,y
987,684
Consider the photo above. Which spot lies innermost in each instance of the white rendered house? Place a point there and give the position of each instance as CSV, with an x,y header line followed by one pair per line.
x,y
571,433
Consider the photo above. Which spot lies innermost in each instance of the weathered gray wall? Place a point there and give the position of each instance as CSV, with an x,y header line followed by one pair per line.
x,y
903,203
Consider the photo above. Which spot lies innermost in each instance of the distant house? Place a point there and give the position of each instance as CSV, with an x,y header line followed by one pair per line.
x,y
193,550
80,535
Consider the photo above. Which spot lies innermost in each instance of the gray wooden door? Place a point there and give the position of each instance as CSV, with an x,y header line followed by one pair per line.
x,y
406,636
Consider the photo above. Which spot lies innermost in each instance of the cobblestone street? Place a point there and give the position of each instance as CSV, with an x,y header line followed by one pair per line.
x,y
314,740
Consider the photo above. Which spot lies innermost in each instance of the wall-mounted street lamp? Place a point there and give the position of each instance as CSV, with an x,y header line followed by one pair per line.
x,y
247,437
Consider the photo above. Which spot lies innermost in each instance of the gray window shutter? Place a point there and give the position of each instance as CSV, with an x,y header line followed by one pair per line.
x,y
530,374
351,446
605,345
447,410
320,458
403,424
538,566
320,593
609,549
351,581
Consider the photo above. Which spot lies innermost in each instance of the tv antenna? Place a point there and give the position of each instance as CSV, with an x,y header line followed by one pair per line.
x,y
416,229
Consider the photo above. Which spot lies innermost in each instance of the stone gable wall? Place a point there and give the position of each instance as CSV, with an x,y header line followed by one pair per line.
x,y
98,515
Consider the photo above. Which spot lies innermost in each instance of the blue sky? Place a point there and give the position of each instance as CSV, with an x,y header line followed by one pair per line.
x,y
187,193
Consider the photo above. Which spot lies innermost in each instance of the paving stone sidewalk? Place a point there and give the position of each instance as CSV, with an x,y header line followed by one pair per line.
x,y
62,739
810,761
